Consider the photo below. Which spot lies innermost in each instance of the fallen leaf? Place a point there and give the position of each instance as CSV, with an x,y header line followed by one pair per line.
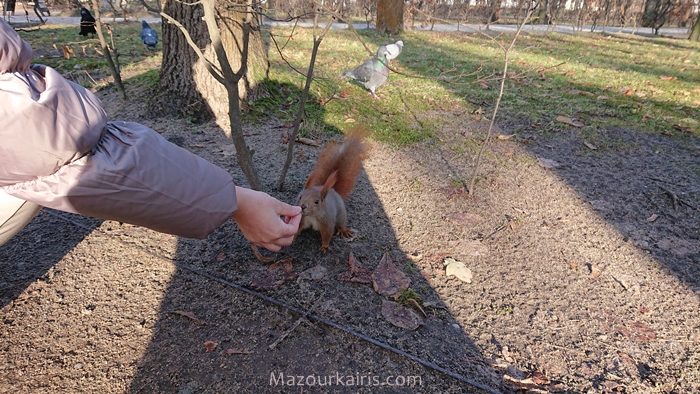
x,y
286,266
590,146
232,350
357,273
317,272
569,121
189,315
276,274
387,279
667,78
548,163
400,316
638,331
308,141
209,346
652,218
527,383
349,120
602,98
458,269
505,137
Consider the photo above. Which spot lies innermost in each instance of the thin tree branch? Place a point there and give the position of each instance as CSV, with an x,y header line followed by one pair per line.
x,y
500,96
302,102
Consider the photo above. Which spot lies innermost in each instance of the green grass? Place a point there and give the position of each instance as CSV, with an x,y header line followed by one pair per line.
x,y
651,85
138,65
604,81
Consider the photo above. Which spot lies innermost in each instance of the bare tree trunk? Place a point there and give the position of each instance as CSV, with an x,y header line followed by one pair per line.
x,y
186,87
695,31
389,16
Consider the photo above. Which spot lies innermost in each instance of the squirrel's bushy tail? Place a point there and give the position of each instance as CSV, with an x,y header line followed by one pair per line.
x,y
345,158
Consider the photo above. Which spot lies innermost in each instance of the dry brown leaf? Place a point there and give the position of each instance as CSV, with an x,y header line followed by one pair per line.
x,y
569,121
209,346
276,274
234,350
400,315
505,137
667,78
308,141
349,120
548,163
590,146
357,273
189,315
387,279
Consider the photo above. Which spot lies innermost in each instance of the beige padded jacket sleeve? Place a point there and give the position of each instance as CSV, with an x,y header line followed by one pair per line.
x,y
58,151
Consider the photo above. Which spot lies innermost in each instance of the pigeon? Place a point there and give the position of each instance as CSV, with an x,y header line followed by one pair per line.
x,y
392,50
87,22
373,73
148,35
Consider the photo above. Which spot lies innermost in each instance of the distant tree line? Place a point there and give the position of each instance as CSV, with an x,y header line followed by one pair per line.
x,y
425,13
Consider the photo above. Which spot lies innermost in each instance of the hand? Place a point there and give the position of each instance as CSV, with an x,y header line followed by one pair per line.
x,y
264,220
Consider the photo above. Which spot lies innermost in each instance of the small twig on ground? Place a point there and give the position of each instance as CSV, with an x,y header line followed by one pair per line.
x,y
664,181
286,333
677,200
295,325
672,195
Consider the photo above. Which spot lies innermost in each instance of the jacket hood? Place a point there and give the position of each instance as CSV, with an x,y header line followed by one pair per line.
x,y
15,53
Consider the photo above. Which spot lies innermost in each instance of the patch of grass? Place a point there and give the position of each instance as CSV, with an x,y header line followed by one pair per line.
x,y
60,47
602,81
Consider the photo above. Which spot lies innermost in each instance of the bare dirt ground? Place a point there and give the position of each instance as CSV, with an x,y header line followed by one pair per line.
x,y
585,275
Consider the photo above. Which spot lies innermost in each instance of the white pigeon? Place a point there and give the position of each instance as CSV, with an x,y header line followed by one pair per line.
x,y
392,50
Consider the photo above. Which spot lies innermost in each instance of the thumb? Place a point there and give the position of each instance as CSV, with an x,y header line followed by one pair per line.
x,y
284,209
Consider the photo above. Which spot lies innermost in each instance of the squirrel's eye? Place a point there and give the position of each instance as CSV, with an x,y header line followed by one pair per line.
x,y
316,202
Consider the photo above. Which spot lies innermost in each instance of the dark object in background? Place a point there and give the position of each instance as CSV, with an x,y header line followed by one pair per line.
x,y
87,22
9,6
148,36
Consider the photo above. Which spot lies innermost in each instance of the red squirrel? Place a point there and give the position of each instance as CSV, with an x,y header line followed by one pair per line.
x,y
331,182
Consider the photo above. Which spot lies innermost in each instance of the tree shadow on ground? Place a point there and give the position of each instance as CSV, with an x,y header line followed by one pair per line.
x,y
244,327
31,254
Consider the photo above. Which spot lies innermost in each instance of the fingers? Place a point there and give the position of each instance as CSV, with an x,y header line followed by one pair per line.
x,y
284,209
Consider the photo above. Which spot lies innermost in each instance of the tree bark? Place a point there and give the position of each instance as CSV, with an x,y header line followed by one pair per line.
x,y
543,13
186,87
390,16
695,31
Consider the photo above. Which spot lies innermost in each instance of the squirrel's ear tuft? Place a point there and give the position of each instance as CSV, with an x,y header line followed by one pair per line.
x,y
330,182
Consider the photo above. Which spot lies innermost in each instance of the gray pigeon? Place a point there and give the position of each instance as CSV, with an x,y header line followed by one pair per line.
x,y
373,73
392,50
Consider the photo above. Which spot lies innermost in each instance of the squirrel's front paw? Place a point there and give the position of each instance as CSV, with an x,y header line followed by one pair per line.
x,y
324,248
345,232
